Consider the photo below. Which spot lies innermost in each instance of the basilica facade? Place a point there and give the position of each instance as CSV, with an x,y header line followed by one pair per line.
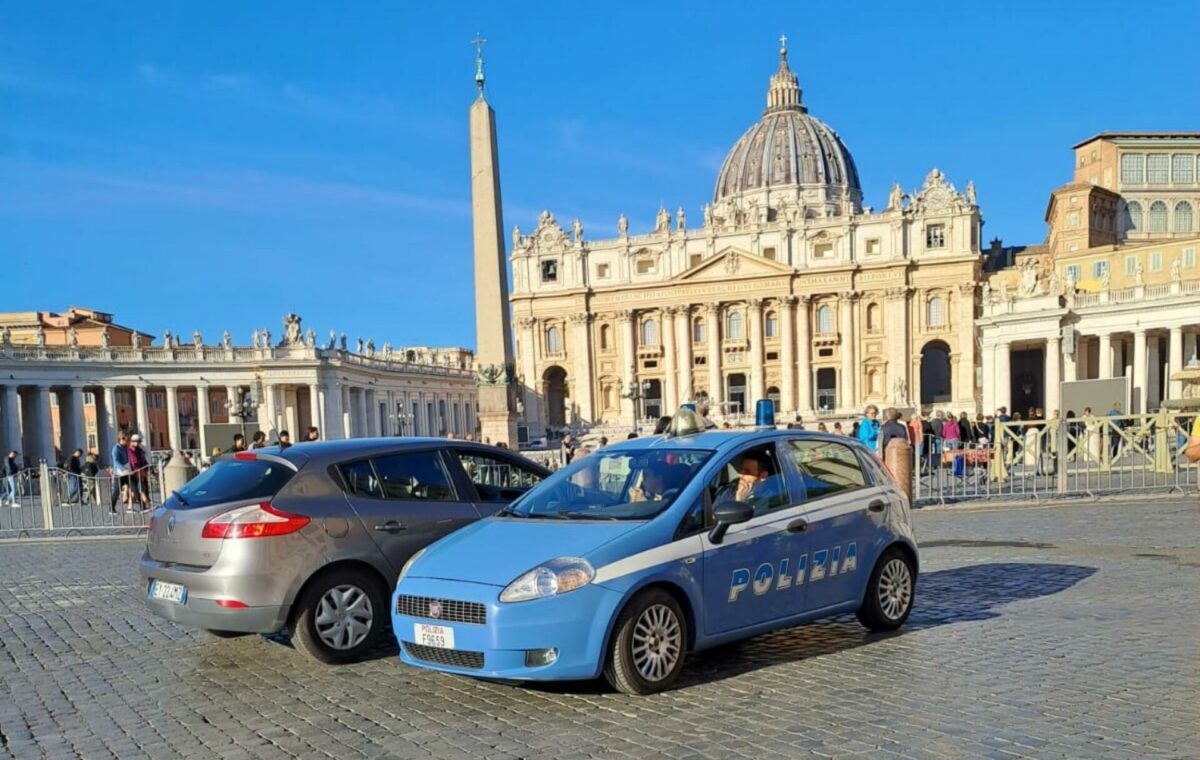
x,y
788,289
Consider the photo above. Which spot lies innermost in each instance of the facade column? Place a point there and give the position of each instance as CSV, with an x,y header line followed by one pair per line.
x,y
45,431
804,372
581,327
988,365
1106,356
683,343
173,440
1004,376
1071,365
143,414
1138,381
12,420
712,326
787,355
848,400
896,319
757,369
1175,362
670,370
965,388
203,418
314,410
628,365
1053,376
528,357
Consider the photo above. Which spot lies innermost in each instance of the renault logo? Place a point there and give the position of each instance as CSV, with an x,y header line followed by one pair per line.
x,y
435,608
170,523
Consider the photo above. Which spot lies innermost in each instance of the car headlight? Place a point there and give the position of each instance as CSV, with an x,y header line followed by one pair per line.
x,y
409,564
558,576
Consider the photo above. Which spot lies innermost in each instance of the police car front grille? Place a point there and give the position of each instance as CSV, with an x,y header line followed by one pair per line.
x,y
455,658
450,610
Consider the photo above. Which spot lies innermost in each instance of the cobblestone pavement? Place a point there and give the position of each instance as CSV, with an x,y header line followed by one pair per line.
x,y
1038,632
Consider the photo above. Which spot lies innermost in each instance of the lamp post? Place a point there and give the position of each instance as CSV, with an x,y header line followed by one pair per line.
x,y
635,393
401,420
241,409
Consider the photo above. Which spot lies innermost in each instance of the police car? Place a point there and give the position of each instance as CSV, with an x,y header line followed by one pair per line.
x,y
646,550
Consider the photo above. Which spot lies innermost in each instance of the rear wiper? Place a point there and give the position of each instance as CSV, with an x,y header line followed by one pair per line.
x,y
179,496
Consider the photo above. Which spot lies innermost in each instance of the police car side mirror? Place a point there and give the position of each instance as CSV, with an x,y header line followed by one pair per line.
x,y
729,513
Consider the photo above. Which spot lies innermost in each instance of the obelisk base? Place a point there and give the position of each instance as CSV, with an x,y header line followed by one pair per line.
x,y
496,423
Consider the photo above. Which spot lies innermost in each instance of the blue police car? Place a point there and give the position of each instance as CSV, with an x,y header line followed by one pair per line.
x,y
643,551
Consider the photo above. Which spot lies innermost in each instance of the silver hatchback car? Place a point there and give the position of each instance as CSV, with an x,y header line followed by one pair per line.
x,y
311,538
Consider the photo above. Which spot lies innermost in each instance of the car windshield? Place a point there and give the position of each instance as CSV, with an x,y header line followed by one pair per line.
x,y
232,480
612,485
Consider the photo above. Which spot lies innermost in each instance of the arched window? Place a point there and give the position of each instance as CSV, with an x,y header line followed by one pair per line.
x,y
772,325
650,332
873,324
1158,217
937,312
698,330
553,340
1183,217
735,325
824,320
605,337
1133,216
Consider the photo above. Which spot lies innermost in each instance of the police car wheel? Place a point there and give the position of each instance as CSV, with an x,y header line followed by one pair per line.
x,y
648,644
889,596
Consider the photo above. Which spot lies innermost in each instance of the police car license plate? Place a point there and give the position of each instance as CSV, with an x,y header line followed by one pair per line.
x,y
440,636
170,592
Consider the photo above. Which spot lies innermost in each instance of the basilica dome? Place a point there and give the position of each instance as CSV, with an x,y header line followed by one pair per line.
x,y
787,147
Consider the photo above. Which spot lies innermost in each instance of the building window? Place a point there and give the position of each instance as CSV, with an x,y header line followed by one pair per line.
x,y
1157,168
1156,261
1132,165
772,325
1073,219
605,337
1189,257
874,247
1133,216
1182,168
1073,273
935,236
695,259
549,271
769,253
734,325
823,250
650,333
602,271
1131,264
873,323
698,330
824,320
553,341
1099,268
646,266
1183,217
1158,217
936,312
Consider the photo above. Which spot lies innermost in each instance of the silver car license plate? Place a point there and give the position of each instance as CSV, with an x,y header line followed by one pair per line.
x,y
169,592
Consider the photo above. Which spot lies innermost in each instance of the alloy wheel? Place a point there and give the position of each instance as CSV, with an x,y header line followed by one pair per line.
x,y
895,588
657,642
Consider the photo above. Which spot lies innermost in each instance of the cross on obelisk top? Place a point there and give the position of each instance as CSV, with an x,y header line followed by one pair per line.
x,y
479,42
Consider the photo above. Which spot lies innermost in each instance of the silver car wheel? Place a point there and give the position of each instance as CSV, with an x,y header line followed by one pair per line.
x,y
895,588
344,617
657,642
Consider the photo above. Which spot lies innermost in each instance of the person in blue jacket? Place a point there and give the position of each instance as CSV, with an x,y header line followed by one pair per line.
x,y
119,462
868,428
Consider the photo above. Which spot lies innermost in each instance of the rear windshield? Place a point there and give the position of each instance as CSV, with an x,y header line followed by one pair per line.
x,y
232,480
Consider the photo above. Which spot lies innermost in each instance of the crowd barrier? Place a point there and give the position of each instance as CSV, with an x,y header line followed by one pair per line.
x,y
51,500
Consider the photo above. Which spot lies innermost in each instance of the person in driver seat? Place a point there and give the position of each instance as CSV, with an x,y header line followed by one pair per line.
x,y
652,487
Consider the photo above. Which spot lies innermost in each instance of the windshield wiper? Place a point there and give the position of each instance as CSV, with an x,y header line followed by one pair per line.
x,y
179,496
575,515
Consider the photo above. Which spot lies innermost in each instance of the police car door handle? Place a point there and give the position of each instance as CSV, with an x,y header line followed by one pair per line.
x,y
391,526
877,505
799,525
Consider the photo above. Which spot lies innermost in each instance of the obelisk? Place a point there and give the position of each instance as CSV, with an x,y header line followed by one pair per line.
x,y
495,375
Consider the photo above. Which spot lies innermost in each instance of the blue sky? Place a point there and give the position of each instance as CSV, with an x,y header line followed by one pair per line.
x,y
214,165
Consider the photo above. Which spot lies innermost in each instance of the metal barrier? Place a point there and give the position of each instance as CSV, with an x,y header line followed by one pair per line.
x,y
51,500
1042,459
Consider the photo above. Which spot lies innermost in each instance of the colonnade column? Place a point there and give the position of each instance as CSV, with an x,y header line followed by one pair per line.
x,y
787,355
712,326
203,418
1106,356
271,423
173,440
804,373
106,423
683,341
1138,382
989,379
582,349
12,419
45,430
78,434
1175,362
314,411
143,415
670,371
1003,377
361,429
232,402
1053,376
1071,364
628,365
757,381
1154,371
347,412
370,405
849,396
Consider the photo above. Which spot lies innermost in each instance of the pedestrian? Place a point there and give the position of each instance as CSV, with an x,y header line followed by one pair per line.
x,y
868,428
837,428
74,471
315,435
798,424
139,478
966,430
951,434
603,441
12,468
118,464
1114,432
891,428
91,474
821,428
239,444
259,440
285,439
567,452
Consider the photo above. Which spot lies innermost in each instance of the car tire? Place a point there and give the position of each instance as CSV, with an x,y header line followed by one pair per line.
x,y
648,644
890,592
226,634
339,616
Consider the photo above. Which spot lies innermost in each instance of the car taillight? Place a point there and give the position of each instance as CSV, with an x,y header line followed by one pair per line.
x,y
255,521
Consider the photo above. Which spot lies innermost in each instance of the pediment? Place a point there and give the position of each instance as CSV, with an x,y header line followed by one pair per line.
x,y
732,263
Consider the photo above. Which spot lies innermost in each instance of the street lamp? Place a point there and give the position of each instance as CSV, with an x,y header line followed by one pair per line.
x,y
401,420
635,393
241,409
